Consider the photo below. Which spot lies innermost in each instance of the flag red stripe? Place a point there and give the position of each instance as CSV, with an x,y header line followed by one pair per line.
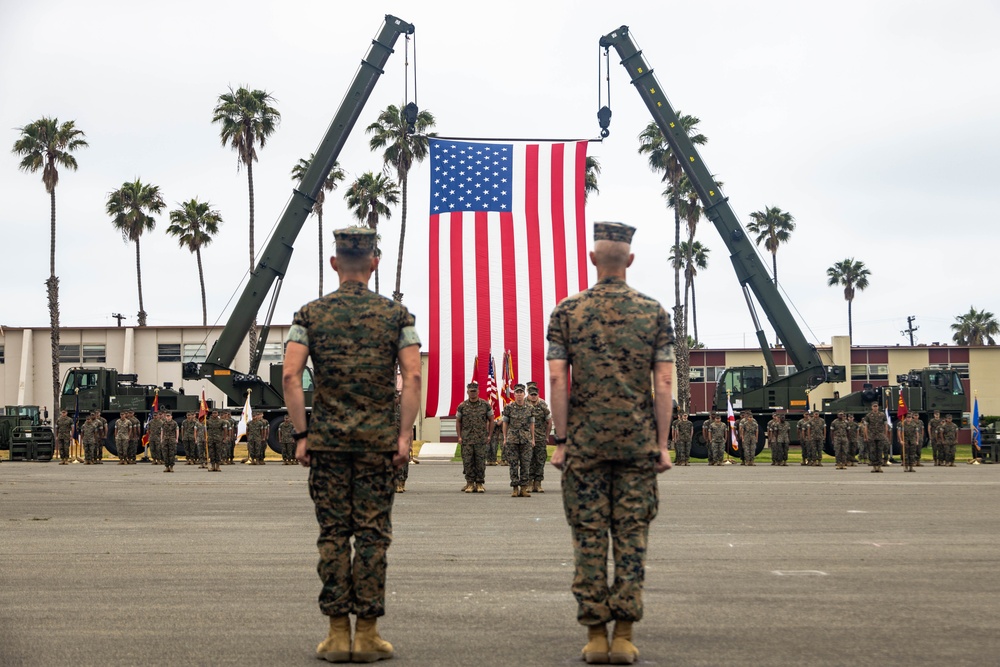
x,y
483,287
457,313
558,221
536,330
581,218
509,281
434,305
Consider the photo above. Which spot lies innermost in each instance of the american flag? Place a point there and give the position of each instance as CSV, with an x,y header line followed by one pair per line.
x,y
491,390
508,241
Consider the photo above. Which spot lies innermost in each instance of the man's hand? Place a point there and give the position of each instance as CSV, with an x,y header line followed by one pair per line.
x,y
662,464
559,456
301,453
402,454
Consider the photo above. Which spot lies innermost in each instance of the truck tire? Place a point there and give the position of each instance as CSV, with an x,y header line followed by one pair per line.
x,y
699,448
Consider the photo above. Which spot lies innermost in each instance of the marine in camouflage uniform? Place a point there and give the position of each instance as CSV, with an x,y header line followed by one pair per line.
x,y
683,432
64,435
102,435
948,433
496,439
355,338
257,439
874,429
122,428
817,436
840,434
474,421
853,432
215,433
913,436
716,434
153,438
229,450
285,430
169,434
518,440
804,441
933,433
189,429
777,436
543,427
614,437
749,431
90,432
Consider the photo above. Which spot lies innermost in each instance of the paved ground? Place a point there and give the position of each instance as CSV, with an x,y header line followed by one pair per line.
x,y
118,565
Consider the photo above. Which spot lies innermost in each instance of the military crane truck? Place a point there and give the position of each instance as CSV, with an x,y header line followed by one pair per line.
x,y
755,388
26,433
266,393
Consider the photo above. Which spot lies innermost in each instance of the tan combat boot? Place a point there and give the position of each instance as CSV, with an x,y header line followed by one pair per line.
x,y
368,646
515,492
337,645
623,651
480,488
467,488
596,650
525,491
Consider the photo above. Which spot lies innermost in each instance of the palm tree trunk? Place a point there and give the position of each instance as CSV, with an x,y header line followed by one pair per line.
x,y
52,291
138,278
677,267
397,295
774,266
683,361
850,325
201,280
694,311
252,333
319,217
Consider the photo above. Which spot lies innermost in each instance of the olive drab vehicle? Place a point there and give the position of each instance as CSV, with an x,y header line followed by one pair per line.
x,y
26,433
762,390
265,393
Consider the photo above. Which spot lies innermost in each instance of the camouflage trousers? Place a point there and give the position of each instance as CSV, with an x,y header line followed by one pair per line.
x,y
683,449
518,457
190,448
937,450
817,450
912,454
168,452
609,502
402,472
133,448
89,450
948,453
492,447
288,450
64,447
807,453
749,452
256,449
121,447
215,450
779,452
841,451
539,455
876,452
154,451
474,461
852,449
353,496
716,451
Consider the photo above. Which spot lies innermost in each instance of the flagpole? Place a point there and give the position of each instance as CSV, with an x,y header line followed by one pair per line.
x,y
74,455
975,428
204,423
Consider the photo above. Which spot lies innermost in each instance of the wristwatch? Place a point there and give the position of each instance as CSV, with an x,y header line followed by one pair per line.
x,y
298,436
559,441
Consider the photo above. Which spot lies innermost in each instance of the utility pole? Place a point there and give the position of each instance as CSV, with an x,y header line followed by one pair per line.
x,y
909,328
118,317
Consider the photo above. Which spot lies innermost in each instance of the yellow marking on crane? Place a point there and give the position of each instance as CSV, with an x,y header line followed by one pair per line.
x,y
691,158
221,372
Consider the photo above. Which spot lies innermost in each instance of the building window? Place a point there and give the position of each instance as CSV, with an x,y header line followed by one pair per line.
x,y
273,352
94,354
1,354
168,352
696,373
448,428
713,373
196,352
69,354
865,372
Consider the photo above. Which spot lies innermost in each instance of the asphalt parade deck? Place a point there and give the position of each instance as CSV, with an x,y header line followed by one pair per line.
x,y
108,565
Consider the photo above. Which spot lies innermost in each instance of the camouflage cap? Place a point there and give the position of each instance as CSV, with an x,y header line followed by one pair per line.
x,y
356,241
518,387
472,385
613,231
532,387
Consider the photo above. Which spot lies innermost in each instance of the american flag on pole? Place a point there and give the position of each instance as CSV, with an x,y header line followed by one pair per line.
x,y
491,390
508,241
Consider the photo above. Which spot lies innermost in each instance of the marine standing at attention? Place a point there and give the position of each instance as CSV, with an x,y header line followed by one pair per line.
x,y
355,339
518,440
612,437
64,434
474,423
543,427
683,433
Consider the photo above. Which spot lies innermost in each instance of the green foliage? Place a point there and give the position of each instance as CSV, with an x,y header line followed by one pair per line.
x,y
246,118
976,327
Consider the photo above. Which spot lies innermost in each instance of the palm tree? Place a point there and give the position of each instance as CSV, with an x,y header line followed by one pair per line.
x,y
853,275
369,198
693,256
247,118
976,327
593,170
772,227
47,145
329,185
194,224
403,146
130,208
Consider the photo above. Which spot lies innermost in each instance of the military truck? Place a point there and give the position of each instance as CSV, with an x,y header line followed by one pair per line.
x,y
764,391
26,433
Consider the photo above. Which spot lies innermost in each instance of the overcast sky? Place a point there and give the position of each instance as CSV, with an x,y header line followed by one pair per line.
x,y
875,123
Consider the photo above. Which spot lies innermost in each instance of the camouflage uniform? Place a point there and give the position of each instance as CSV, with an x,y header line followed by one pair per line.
x,y
683,434
476,417
256,439
133,436
64,435
875,427
612,336
804,440
718,433
153,438
817,435
749,432
285,430
933,432
102,435
913,431
229,452
948,433
189,428
518,442
215,431
539,453
853,432
169,431
840,435
90,431
122,428
353,336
